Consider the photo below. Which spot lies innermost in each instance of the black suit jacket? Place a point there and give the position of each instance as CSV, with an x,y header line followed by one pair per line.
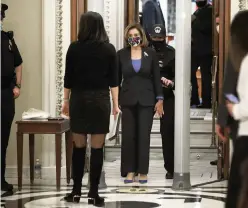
x,y
202,31
151,15
139,87
229,87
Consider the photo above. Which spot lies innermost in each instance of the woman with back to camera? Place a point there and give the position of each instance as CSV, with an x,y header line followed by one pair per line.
x,y
141,87
238,107
91,69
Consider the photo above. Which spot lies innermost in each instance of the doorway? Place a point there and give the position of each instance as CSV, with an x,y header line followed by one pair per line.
x,y
221,9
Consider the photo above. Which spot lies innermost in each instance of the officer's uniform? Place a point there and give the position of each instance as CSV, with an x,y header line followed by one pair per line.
x,y
10,59
166,58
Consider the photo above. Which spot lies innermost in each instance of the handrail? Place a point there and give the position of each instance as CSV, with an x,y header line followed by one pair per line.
x,y
214,99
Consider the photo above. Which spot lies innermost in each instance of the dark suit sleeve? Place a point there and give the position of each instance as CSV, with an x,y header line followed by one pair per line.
x,y
68,78
17,60
120,77
119,68
149,16
17,55
156,76
113,72
173,66
229,86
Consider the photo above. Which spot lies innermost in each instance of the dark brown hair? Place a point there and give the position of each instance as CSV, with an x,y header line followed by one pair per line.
x,y
91,28
238,40
144,42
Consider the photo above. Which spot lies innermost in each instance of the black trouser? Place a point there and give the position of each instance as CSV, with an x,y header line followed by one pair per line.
x,y
136,129
240,154
205,63
167,132
7,116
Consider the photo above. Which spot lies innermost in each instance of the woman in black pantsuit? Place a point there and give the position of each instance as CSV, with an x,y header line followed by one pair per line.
x,y
91,69
141,87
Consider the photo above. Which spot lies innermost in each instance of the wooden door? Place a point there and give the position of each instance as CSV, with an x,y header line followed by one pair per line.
x,y
131,11
224,33
78,7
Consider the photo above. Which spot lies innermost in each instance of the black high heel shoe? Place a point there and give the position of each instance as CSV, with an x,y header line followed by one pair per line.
x,y
72,197
97,201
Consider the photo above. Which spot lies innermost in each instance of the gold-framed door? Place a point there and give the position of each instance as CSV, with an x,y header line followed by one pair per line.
x,y
131,11
224,35
78,7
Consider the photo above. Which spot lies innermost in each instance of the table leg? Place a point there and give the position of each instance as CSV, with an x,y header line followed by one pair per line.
x,y
68,149
31,157
19,138
58,138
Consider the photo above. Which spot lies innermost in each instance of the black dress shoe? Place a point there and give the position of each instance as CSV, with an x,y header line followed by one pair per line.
x,y
215,162
169,176
96,200
73,197
6,186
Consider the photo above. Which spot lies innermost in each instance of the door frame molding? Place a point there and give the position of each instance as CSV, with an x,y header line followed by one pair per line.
x,y
131,11
224,38
78,7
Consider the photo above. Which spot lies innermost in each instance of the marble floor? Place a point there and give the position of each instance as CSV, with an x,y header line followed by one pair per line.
x,y
206,191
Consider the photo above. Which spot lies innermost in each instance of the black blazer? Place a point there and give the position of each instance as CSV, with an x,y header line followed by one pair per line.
x,y
144,86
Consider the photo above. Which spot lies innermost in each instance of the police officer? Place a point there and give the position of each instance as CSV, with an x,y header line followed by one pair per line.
x,y
166,58
11,70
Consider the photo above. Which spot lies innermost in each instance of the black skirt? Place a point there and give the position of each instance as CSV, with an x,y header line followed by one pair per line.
x,y
90,112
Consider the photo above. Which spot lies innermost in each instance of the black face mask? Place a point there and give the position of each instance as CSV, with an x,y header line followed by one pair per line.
x,y
201,4
158,44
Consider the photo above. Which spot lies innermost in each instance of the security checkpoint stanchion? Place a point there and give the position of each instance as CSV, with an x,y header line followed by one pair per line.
x,y
102,184
181,179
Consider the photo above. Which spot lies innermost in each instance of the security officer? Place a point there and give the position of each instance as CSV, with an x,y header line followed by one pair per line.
x,y
11,70
166,58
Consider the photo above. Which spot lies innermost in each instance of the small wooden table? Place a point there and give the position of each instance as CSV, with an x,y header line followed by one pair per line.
x,y
33,127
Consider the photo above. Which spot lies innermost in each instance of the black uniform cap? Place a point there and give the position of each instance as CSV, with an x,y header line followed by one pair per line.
x,y
4,7
158,31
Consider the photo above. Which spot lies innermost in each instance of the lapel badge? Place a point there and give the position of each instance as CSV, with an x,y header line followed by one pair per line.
x,y
145,54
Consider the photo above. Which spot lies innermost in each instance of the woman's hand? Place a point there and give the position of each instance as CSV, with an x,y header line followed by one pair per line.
x,y
65,108
159,108
166,82
230,107
16,92
116,111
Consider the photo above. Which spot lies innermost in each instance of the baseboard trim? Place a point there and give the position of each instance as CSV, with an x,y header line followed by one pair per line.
x,y
46,172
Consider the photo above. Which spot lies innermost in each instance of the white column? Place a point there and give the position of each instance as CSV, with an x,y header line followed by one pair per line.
x,y
182,101
114,21
96,6
55,41
66,40
48,75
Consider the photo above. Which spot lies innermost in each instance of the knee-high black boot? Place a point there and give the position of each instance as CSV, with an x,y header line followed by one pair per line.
x,y
96,163
78,161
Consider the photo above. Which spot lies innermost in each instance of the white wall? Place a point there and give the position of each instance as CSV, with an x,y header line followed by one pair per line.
x,y
24,18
